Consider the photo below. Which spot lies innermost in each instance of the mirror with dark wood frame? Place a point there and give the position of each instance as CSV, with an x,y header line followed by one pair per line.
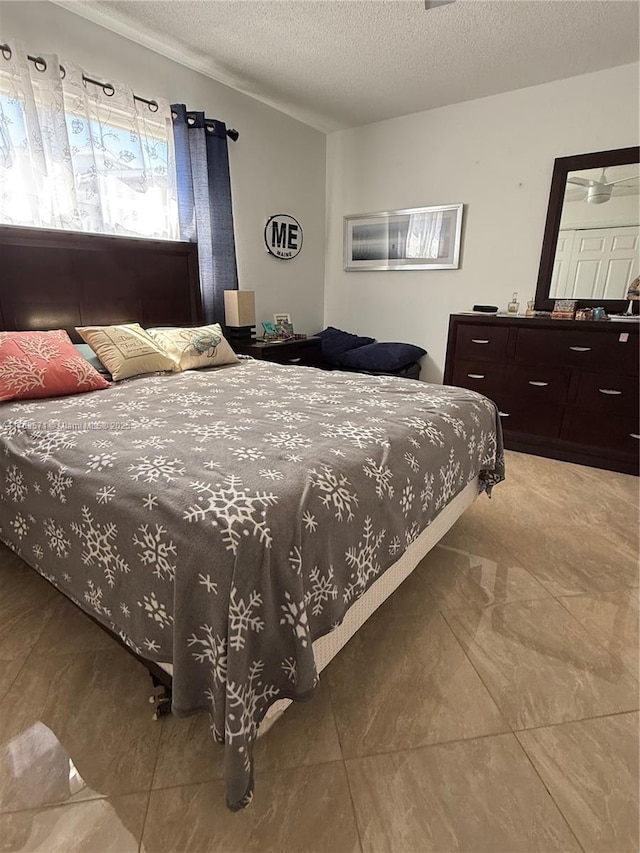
x,y
591,237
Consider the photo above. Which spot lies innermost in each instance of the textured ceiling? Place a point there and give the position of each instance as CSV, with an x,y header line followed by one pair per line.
x,y
336,64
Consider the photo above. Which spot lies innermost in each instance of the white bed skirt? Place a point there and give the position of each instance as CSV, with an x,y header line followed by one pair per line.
x,y
327,647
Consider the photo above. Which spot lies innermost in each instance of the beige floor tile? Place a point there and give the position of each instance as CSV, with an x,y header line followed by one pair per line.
x,y
460,579
90,709
540,665
26,603
591,769
480,796
304,809
573,559
305,735
70,630
9,669
612,619
404,684
100,826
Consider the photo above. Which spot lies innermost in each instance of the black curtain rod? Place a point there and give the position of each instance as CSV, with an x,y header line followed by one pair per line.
x,y
107,88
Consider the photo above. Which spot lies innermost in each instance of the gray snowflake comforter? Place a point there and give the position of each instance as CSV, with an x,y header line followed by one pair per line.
x,y
223,520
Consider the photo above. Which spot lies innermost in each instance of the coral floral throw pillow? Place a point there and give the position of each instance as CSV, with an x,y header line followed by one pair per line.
x,y
43,364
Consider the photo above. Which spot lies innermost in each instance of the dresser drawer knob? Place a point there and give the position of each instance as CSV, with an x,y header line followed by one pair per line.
x,y
504,414
479,341
475,375
612,392
635,435
581,349
538,384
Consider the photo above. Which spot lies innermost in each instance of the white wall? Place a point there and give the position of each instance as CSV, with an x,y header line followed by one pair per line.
x,y
494,154
277,165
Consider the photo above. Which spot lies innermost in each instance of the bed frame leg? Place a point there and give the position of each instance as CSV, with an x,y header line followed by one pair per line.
x,y
160,699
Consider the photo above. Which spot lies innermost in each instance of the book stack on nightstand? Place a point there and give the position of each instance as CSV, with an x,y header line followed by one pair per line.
x,y
305,352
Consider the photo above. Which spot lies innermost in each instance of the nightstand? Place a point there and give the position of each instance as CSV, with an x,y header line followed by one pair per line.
x,y
304,352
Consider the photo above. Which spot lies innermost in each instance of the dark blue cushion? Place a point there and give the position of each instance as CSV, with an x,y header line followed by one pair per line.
x,y
86,352
384,357
335,343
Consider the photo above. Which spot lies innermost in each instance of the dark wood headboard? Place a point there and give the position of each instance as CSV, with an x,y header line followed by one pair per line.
x,y
64,279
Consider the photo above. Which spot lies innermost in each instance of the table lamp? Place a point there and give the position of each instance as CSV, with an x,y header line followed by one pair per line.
x,y
240,315
633,294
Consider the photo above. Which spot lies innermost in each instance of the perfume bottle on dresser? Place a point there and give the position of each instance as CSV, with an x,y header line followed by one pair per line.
x,y
514,306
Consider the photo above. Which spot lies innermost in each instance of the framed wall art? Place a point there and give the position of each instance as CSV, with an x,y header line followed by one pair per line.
x,y
418,238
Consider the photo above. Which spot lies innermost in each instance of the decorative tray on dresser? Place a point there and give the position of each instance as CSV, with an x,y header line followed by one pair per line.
x,y
565,389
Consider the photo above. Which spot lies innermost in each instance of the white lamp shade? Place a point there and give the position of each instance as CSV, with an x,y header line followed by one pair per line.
x,y
240,307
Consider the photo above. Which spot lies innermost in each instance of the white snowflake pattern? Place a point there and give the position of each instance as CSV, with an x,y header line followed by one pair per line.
x,y
155,610
245,703
212,431
412,462
287,415
93,597
449,480
395,546
290,669
57,539
212,650
20,526
426,495
309,521
357,434
242,618
99,545
151,470
16,488
295,614
271,474
205,580
406,498
287,440
235,510
151,645
322,589
38,552
47,444
252,453
363,559
124,609
60,482
153,442
426,429
295,559
105,494
100,461
382,474
150,501
155,551
293,457
335,494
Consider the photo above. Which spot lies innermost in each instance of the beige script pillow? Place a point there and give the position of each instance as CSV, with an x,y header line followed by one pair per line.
x,y
127,350
203,346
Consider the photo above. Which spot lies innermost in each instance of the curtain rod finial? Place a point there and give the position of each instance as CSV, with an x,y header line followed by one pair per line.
x,y
233,134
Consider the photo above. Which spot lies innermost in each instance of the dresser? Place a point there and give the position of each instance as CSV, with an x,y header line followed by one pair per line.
x,y
565,389
305,352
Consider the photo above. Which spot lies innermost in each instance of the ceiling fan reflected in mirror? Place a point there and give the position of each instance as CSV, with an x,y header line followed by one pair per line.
x,y
600,190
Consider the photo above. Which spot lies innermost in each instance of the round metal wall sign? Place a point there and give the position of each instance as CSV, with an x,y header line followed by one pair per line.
x,y
283,236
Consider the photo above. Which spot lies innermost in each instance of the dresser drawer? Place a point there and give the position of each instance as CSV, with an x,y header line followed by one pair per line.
x,y
609,393
524,416
598,429
540,383
586,349
484,377
476,342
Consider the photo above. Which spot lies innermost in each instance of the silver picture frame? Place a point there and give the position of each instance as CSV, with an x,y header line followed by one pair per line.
x,y
416,238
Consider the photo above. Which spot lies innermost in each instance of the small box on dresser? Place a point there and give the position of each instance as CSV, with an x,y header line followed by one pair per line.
x,y
565,389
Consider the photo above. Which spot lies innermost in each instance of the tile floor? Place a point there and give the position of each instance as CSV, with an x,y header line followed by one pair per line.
x,y
490,705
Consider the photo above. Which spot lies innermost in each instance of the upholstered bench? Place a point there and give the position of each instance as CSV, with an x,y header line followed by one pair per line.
x,y
358,354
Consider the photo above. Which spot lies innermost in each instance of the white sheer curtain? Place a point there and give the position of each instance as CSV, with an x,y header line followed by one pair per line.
x,y
80,156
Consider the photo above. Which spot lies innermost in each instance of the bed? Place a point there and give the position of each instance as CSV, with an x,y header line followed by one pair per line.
x,y
233,527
